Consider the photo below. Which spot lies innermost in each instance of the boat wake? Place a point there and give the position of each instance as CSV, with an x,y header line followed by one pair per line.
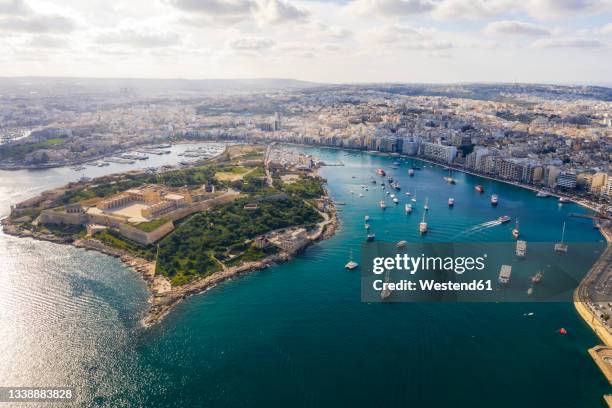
x,y
478,228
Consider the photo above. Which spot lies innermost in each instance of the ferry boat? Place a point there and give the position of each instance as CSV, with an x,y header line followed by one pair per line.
x,y
537,278
451,201
426,206
479,188
542,194
401,244
370,237
503,219
561,246
504,274
380,172
395,200
515,230
564,200
408,208
494,200
411,172
382,204
521,248
423,225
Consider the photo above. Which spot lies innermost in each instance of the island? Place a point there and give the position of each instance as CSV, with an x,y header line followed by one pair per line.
x,y
186,229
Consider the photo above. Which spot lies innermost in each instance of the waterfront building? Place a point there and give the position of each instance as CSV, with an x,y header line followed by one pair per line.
x,y
550,176
438,152
566,180
598,182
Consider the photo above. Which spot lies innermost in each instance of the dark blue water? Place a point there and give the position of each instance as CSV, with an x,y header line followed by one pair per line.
x,y
298,335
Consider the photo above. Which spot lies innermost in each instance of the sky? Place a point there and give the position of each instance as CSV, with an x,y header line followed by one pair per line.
x,y
433,41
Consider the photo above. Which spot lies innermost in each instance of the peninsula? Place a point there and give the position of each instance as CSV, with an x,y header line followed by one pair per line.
x,y
186,229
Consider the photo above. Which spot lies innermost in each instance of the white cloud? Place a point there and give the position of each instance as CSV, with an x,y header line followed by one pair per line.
x,y
251,44
516,28
14,7
473,9
544,9
568,43
38,24
48,41
607,29
146,38
276,11
389,8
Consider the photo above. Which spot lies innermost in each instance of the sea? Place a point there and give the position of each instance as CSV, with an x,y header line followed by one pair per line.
x,y
298,334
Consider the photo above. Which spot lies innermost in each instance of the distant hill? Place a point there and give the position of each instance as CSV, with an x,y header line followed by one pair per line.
x,y
64,86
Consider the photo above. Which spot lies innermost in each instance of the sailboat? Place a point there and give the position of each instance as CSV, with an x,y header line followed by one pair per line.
x,y
423,225
414,197
408,208
515,231
561,246
426,206
385,293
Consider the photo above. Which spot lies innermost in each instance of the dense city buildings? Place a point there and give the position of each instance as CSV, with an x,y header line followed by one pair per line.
x,y
552,137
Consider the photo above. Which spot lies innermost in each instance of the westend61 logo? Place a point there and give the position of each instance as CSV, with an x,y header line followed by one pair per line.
x,y
412,264
473,272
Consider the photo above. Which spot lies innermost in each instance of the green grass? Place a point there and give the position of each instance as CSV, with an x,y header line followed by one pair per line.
x,y
115,240
152,225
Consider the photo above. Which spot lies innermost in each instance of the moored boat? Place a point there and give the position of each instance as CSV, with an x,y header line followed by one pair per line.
x,y
504,274
494,200
380,172
411,172
521,248
401,244
370,237
408,208
479,188
382,204
515,230
423,225
451,201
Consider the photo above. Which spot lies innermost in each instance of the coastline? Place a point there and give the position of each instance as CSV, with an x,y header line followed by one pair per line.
x,y
162,296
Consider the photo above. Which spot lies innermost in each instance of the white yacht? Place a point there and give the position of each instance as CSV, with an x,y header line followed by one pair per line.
x,y
423,225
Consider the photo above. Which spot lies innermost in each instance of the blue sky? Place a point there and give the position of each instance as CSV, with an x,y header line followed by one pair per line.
x,y
554,41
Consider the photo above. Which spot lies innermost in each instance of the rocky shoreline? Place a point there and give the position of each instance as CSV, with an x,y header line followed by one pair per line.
x,y
162,296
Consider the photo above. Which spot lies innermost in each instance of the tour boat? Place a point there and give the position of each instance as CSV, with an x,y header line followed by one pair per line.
x,y
504,274
515,230
423,225
411,172
503,219
426,206
380,172
521,248
370,237
537,278
382,204
494,200
479,188
451,201
408,208
561,246
395,200
401,244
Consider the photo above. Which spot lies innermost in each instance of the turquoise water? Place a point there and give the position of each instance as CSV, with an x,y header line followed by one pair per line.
x,y
297,334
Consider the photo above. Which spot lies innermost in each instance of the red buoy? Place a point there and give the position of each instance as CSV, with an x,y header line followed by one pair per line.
x,y
562,331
